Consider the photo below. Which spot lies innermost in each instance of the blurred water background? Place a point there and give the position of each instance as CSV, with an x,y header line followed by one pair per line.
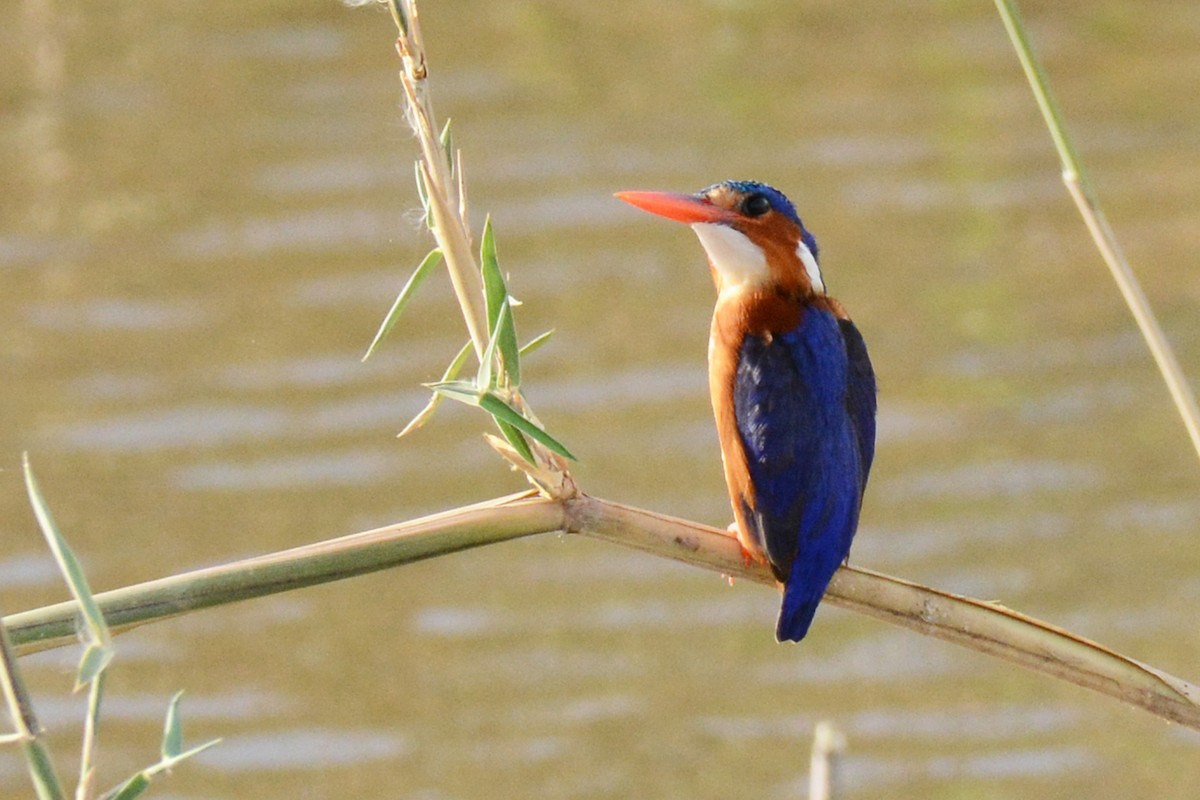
x,y
207,209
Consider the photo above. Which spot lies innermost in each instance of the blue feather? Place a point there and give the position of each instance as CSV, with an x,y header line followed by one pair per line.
x,y
804,402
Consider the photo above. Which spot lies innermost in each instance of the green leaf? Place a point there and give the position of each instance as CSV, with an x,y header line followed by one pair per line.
x,y
172,743
406,294
447,140
46,784
423,193
537,342
496,297
99,652
134,787
487,399
167,763
486,375
506,335
96,658
517,440
172,754
436,399
462,391
496,406
138,784
494,290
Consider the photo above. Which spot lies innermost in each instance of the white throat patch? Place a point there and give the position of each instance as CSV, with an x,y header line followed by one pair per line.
x,y
810,266
740,261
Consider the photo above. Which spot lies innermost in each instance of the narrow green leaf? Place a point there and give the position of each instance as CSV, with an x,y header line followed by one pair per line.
x,y
461,181
497,297
510,353
457,364
462,391
96,658
172,743
436,399
138,783
537,342
91,723
167,763
134,787
503,412
447,140
486,376
406,294
26,726
72,571
46,784
423,193
422,190
494,290
516,439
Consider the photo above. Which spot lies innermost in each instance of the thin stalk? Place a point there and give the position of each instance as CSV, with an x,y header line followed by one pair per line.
x,y
983,627
1088,204
86,787
335,559
446,203
444,195
828,745
28,731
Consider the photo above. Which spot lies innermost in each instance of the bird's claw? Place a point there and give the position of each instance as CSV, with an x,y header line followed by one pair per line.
x,y
748,558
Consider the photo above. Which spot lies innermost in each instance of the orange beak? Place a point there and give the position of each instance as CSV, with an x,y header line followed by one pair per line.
x,y
687,208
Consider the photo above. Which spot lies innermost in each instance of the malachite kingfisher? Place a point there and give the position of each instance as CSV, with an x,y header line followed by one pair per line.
x,y
793,390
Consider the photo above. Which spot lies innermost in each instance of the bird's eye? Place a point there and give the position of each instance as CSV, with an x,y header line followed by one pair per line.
x,y
756,205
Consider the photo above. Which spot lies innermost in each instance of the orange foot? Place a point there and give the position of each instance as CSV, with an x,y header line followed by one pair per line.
x,y
747,557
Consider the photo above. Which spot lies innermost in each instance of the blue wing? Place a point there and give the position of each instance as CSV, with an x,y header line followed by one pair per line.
x,y
804,402
860,394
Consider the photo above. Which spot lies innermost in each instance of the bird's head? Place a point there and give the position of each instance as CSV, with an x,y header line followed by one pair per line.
x,y
751,232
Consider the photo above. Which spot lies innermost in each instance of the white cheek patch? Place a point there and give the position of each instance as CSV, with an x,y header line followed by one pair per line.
x,y
810,266
739,261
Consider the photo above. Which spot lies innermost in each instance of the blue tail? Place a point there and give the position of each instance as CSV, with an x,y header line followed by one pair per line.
x,y
799,607
805,586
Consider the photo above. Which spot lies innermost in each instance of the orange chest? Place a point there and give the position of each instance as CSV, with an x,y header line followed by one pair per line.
x,y
762,313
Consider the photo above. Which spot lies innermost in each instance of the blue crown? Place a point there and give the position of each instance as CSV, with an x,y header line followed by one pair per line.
x,y
778,201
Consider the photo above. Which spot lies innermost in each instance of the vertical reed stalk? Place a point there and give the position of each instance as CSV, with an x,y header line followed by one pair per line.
x,y
28,730
1088,204
447,203
828,745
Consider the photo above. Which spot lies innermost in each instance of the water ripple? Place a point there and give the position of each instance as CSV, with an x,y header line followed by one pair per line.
x,y
999,479
317,469
309,749
183,426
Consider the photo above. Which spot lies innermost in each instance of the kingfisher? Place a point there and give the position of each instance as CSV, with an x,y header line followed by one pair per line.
x,y
792,387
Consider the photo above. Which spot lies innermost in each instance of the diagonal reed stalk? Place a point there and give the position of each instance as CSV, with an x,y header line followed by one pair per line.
x,y
980,626
1088,204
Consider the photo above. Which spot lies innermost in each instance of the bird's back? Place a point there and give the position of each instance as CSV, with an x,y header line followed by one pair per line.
x,y
801,399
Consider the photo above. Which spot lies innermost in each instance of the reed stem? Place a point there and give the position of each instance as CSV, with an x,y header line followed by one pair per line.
x,y
983,627
1089,207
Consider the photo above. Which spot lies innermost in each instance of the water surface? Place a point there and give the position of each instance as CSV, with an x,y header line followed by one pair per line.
x,y
208,209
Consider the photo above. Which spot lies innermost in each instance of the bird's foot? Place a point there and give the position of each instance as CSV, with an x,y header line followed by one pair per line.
x,y
748,558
